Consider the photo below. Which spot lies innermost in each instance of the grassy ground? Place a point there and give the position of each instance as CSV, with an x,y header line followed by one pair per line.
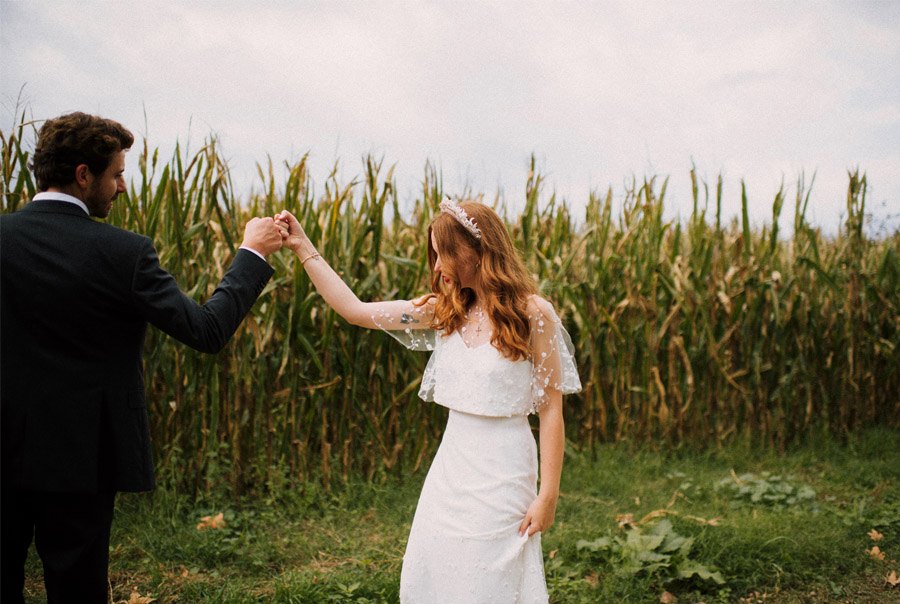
x,y
805,538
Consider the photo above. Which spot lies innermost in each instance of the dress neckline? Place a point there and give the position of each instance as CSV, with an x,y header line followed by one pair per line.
x,y
472,348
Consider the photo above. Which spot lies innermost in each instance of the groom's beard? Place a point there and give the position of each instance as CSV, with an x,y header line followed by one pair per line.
x,y
97,204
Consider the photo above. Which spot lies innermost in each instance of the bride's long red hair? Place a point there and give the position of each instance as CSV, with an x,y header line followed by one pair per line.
x,y
499,273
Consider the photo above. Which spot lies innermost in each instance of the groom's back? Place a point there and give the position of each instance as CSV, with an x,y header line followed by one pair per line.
x,y
71,338
65,285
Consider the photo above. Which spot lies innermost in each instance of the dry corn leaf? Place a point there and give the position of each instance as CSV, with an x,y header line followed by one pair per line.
x,y
699,520
654,514
282,394
674,498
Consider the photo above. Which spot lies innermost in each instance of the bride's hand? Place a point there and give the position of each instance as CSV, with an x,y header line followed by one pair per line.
x,y
292,234
539,517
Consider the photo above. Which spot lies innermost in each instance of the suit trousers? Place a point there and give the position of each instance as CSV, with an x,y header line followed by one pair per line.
x,y
71,535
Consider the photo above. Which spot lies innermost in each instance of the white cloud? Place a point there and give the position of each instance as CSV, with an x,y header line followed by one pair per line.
x,y
599,91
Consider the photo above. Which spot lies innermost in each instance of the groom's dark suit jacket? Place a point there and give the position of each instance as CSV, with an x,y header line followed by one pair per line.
x,y
75,299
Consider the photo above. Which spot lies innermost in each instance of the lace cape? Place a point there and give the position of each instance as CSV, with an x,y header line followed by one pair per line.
x,y
480,379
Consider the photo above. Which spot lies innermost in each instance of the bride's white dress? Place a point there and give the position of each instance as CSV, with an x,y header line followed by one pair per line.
x,y
464,545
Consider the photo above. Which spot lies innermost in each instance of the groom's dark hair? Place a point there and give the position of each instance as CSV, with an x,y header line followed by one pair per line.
x,y
72,139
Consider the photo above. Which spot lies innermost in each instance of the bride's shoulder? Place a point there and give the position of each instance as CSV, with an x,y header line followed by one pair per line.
x,y
540,307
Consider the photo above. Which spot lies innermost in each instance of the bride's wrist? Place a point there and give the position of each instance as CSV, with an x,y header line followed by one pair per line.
x,y
548,495
302,246
305,250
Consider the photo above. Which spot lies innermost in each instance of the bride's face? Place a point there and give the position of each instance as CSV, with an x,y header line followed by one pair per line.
x,y
454,272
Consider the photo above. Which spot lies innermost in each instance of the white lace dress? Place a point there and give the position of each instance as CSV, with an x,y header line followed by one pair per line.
x,y
464,545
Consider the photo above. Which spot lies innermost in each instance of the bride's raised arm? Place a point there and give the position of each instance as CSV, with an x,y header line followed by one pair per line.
x,y
390,315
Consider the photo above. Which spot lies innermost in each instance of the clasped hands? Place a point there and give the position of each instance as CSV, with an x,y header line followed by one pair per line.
x,y
266,235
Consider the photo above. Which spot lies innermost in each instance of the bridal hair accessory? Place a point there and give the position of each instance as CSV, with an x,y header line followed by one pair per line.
x,y
448,206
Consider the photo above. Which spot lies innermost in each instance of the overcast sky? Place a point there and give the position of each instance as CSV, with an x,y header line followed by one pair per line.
x,y
598,91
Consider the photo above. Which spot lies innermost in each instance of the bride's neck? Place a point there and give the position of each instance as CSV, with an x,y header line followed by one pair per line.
x,y
479,299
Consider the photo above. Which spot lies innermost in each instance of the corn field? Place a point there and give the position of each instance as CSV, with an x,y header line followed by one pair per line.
x,y
694,333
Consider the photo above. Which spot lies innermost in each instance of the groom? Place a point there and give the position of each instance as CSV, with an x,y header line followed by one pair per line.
x,y
76,295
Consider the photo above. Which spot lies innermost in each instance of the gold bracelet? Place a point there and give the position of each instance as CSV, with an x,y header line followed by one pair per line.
x,y
310,257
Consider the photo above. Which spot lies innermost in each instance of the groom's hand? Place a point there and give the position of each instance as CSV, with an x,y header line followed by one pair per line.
x,y
291,232
262,235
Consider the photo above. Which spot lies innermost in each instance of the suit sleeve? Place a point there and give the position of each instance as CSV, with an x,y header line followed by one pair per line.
x,y
206,327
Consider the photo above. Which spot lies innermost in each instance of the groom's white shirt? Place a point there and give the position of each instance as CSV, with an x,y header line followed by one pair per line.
x,y
62,197
70,199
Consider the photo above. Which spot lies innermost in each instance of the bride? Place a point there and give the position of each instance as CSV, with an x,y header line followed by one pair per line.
x,y
499,353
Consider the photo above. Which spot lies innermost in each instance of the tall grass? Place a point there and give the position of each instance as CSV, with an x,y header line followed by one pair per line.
x,y
688,333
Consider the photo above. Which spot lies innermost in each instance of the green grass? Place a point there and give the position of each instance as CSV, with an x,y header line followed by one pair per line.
x,y
308,545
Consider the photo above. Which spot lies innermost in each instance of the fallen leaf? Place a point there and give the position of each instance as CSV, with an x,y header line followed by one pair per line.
x,y
875,535
892,579
637,501
625,520
137,598
876,552
552,554
667,598
592,579
211,522
184,571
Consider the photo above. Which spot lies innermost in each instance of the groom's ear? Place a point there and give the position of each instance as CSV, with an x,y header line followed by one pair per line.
x,y
83,176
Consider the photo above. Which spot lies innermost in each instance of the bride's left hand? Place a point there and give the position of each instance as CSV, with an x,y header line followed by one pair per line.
x,y
540,515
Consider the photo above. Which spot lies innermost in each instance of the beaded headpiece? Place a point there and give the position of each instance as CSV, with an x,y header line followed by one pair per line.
x,y
448,206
